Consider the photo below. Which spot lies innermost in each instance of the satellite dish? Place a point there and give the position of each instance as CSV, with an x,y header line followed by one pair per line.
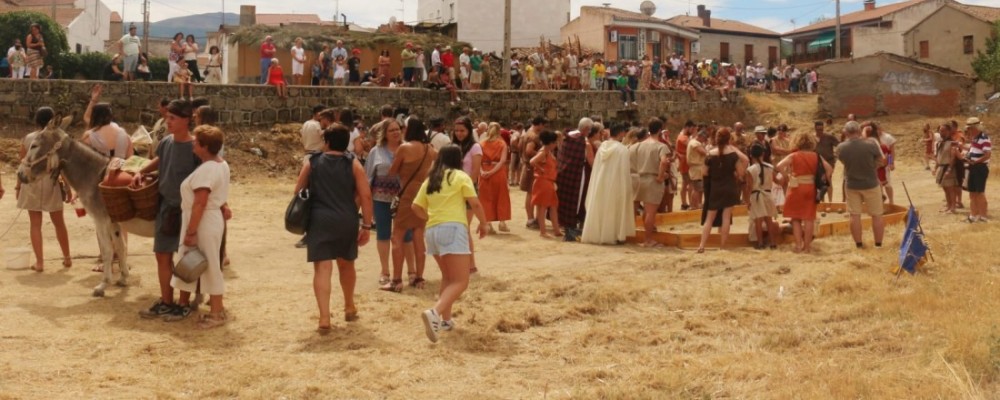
x,y
392,20
648,8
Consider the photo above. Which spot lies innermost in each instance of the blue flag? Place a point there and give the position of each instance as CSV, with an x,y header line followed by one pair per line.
x,y
913,249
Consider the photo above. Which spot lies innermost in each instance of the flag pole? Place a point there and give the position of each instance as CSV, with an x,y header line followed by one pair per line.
x,y
919,225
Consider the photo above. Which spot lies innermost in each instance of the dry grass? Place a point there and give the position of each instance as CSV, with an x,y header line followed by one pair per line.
x,y
544,320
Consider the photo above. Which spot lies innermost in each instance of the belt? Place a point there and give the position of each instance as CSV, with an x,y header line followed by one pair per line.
x,y
801,180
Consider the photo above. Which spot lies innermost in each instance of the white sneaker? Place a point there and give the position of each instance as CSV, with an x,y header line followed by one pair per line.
x,y
432,324
448,325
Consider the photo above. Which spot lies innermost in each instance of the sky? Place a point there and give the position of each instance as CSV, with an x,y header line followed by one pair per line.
x,y
776,15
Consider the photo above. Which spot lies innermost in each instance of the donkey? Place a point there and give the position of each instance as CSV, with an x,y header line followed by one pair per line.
x,y
54,152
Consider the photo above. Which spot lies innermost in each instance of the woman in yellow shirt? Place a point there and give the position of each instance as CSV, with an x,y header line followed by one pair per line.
x,y
441,201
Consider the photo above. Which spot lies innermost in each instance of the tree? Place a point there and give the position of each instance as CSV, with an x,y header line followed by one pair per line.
x,y
17,25
987,64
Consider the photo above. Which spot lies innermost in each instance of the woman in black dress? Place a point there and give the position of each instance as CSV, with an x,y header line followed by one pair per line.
x,y
725,165
337,186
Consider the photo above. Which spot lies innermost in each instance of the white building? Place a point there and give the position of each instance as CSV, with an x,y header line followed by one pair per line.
x,y
86,22
480,22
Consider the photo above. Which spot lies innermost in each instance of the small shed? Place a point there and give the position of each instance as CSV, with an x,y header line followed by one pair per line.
x,y
885,84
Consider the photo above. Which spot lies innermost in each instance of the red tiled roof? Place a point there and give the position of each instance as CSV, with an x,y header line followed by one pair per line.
x,y
858,16
988,14
287,19
47,3
64,16
696,23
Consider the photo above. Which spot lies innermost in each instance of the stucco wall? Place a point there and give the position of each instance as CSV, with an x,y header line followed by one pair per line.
x,y
711,47
944,31
883,85
91,28
481,22
249,105
871,40
589,27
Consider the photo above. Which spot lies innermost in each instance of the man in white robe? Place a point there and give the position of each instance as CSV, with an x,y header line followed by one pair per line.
x,y
610,217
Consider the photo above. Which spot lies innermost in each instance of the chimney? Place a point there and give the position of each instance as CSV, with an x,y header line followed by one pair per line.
x,y
248,15
701,11
707,19
869,5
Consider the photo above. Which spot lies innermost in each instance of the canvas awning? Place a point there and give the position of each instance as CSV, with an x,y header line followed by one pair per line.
x,y
824,39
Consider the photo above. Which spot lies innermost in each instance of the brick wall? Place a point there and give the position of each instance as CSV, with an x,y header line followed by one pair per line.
x,y
254,105
885,84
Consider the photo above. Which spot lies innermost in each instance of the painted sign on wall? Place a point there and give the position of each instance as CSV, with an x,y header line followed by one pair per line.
x,y
910,83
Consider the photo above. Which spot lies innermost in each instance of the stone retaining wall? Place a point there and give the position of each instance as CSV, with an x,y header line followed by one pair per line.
x,y
255,105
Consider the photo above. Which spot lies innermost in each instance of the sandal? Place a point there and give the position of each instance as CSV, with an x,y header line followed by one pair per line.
x,y
503,228
212,320
350,314
395,286
417,282
384,279
324,330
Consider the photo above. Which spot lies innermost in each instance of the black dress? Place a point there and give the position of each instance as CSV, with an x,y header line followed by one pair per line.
x,y
333,220
725,187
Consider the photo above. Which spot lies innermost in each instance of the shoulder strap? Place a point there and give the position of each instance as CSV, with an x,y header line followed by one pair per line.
x,y
416,171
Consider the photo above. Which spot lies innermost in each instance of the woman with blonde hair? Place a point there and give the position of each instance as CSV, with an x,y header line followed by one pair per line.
x,y
494,193
385,187
800,201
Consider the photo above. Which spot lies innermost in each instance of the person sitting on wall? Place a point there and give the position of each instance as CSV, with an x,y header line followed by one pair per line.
x,y
113,71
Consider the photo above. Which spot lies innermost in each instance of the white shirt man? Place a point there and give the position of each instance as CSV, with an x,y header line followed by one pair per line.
x,y
465,64
339,51
128,46
436,57
312,132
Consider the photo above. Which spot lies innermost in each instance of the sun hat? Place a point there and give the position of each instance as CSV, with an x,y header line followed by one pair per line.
x,y
760,129
972,121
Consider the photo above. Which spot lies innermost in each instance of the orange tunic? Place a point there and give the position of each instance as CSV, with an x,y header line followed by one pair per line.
x,y
543,190
494,193
800,201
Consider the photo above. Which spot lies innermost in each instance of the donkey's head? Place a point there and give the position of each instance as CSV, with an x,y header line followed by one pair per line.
x,y
43,152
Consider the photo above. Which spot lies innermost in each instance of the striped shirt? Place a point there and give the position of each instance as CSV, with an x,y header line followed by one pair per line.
x,y
980,146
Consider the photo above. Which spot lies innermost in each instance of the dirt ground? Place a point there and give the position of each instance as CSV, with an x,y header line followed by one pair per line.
x,y
542,320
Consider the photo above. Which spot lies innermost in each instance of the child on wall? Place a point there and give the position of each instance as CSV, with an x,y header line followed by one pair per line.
x,y
183,79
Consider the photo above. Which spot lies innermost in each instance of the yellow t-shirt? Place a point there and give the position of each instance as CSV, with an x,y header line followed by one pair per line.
x,y
448,205
529,71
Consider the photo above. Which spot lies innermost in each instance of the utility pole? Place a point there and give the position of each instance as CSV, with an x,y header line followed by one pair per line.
x,y
124,29
54,10
336,9
506,46
145,25
836,37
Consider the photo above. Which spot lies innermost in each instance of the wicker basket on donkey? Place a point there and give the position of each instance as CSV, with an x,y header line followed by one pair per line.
x,y
124,203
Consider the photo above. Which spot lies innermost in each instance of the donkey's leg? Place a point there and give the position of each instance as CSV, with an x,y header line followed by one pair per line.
x,y
118,242
107,254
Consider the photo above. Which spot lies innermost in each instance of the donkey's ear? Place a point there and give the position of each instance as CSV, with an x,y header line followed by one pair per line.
x,y
66,122
54,122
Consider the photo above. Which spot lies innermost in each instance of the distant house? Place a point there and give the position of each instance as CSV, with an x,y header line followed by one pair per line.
x,y
87,22
951,36
625,35
863,33
480,23
731,41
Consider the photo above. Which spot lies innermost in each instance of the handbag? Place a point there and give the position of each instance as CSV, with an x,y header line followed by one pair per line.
x,y
297,213
191,266
822,185
394,204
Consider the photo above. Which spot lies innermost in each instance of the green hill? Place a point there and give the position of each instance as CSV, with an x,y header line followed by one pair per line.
x,y
197,25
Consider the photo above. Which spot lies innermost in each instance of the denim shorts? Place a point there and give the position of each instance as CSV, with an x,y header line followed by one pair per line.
x,y
383,223
447,238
